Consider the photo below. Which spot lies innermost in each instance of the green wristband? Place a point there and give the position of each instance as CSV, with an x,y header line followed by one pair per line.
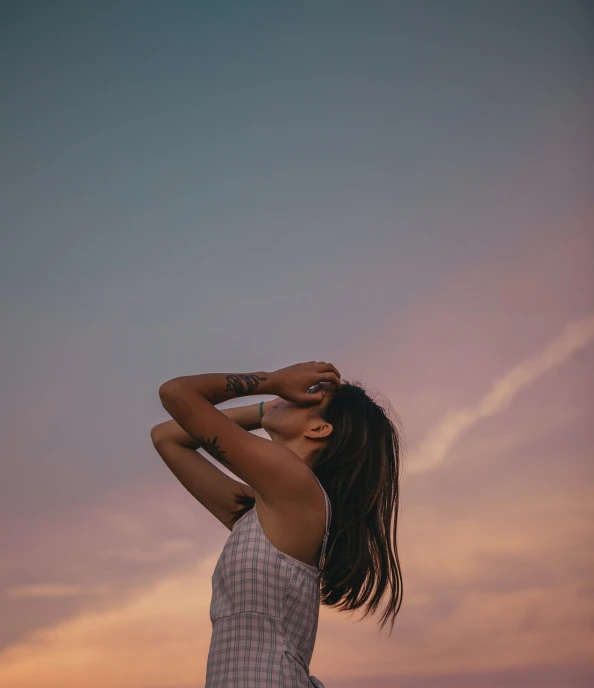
x,y
261,411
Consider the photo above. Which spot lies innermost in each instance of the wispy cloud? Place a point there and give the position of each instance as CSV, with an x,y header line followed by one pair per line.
x,y
53,590
432,450
159,552
157,636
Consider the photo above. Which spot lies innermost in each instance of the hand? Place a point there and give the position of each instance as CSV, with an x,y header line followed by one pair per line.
x,y
267,405
291,383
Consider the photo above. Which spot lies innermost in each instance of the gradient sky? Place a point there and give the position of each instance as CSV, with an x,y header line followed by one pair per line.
x,y
400,188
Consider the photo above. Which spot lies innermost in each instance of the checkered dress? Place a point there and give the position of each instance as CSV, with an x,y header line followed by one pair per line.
x,y
264,612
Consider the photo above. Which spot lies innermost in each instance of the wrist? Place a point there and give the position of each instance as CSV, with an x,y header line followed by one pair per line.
x,y
268,405
267,386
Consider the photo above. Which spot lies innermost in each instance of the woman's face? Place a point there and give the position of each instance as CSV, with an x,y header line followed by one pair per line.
x,y
296,426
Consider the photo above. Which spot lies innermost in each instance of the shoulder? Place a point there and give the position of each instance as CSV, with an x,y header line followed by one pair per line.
x,y
295,520
297,489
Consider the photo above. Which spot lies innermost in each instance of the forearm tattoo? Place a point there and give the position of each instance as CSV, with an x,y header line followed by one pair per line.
x,y
239,385
235,383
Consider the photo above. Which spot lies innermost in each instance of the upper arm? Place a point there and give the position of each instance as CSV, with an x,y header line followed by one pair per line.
x,y
215,490
272,470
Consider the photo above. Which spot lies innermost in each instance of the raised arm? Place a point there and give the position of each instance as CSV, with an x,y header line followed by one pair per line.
x,y
247,416
207,483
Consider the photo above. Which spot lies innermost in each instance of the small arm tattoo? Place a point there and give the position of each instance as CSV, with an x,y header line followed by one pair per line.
x,y
235,383
215,451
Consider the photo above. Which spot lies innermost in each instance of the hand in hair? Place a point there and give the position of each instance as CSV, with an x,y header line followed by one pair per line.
x,y
293,382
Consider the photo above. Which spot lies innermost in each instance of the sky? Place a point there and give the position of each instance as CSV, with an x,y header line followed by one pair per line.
x,y
402,189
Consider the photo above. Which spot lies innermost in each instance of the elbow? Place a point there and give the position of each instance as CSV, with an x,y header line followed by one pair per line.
x,y
166,388
157,433
168,393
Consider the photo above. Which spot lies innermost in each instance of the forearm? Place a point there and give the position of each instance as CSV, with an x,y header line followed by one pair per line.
x,y
220,387
248,417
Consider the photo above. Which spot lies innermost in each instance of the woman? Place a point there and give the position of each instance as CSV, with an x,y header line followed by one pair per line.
x,y
317,511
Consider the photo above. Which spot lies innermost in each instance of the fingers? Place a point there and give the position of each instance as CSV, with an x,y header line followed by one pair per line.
x,y
333,378
319,386
330,378
328,368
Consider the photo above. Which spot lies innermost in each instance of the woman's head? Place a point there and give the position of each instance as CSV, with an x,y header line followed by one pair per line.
x,y
300,428
353,446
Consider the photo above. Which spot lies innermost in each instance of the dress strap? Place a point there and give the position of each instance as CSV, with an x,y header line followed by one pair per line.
x,y
328,519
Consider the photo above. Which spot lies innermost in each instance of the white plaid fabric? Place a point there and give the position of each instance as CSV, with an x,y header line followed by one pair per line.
x,y
264,612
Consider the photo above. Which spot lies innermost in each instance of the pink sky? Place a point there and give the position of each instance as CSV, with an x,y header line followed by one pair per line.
x,y
493,380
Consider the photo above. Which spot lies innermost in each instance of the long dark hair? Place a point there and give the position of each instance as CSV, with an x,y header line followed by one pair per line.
x,y
360,470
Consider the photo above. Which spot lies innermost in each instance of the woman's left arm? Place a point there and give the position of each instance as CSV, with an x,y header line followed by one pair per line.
x,y
220,387
272,470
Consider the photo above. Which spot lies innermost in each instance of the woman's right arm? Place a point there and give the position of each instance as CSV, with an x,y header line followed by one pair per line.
x,y
206,482
247,416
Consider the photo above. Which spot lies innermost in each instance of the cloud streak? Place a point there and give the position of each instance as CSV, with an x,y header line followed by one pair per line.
x,y
434,448
54,590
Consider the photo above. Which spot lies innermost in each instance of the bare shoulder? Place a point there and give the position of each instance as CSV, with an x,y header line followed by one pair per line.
x,y
294,521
